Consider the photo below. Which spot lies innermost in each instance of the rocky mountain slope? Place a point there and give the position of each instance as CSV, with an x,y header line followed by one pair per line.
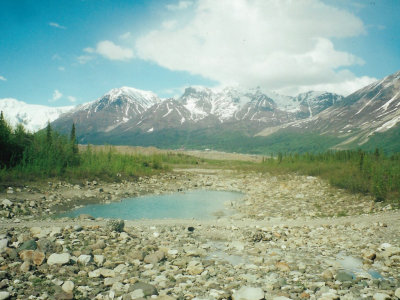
x,y
127,115
369,111
33,117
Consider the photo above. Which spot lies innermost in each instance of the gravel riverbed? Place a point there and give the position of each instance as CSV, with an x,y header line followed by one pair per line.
x,y
293,237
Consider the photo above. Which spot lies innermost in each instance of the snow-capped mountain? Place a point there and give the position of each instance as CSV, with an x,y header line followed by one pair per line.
x,y
125,110
116,107
372,109
33,117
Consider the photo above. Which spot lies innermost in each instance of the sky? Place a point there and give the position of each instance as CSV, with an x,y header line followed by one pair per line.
x,y
68,52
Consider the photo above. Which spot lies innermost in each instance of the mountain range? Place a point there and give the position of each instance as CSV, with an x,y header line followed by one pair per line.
x,y
233,119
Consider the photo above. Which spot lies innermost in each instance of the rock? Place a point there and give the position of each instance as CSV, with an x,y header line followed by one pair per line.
x,y
107,272
85,217
6,203
99,259
190,229
281,298
3,245
248,293
38,258
4,295
148,289
28,245
369,255
154,258
116,225
26,255
397,293
45,245
329,296
136,294
381,296
68,286
343,276
282,266
39,232
195,267
327,275
100,244
109,281
58,259
84,259
25,267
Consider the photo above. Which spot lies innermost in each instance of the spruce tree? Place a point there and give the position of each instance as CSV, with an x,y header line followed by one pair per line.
x,y
73,140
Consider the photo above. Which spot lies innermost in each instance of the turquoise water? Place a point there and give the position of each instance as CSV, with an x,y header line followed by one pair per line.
x,y
199,204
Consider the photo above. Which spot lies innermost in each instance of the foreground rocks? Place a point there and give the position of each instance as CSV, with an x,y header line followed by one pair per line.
x,y
212,262
277,246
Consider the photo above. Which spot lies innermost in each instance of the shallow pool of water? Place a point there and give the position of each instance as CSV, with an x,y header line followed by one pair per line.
x,y
199,204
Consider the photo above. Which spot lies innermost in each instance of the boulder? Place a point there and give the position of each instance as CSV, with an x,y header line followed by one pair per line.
x,y
147,289
58,259
68,286
248,293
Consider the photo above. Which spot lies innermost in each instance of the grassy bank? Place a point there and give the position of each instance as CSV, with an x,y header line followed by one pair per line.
x,y
356,171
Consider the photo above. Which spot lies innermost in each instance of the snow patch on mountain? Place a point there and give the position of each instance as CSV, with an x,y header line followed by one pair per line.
x,y
33,117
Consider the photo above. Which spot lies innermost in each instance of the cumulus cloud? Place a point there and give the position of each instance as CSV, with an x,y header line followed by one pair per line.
x,y
56,96
56,25
108,50
2,78
112,51
125,36
180,5
276,44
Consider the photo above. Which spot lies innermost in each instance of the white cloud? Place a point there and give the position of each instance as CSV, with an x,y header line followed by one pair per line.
x,y
112,51
56,96
61,68
83,59
180,5
71,99
56,25
125,36
276,44
56,57
3,78
89,50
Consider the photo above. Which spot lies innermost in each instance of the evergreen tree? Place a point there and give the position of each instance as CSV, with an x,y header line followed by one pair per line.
x,y
5,149
48,133
73,140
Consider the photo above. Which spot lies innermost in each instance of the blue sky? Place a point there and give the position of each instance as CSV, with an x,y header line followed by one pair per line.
x,y
73,51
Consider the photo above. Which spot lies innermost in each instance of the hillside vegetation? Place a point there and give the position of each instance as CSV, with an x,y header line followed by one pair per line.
x,y
48,154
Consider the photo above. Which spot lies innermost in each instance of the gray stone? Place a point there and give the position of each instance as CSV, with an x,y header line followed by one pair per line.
x,y
154,258
397,293
248,293
45,245
381,296
343,276
116,225
58,259
84,259
3,245
99,259
148,289
4,295
68,286
28,245
136,294
195,267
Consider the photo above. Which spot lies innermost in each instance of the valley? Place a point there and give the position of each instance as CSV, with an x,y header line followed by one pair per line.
x,y
292,237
